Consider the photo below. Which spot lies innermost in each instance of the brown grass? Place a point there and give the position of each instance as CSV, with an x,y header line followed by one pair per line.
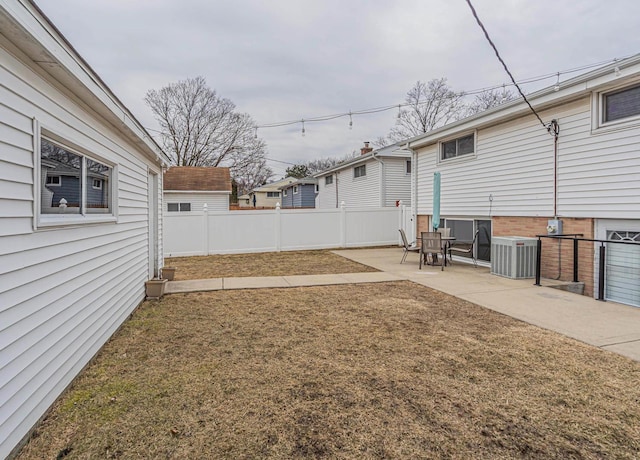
x,y
264,264
390,370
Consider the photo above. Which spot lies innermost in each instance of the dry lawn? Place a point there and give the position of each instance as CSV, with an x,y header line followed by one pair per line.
x,y
264,264
390,370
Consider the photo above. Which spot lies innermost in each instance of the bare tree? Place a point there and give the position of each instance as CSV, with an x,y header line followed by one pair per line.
x,y
427,106
322,164
200,128
489,99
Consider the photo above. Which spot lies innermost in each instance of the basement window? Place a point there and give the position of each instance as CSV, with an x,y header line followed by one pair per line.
x,y
457,147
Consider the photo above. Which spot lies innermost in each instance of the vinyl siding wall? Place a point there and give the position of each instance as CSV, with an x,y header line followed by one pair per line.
x,y
598,174
397,181
215,201
65,290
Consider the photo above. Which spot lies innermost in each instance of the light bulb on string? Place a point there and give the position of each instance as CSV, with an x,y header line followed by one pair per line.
x,y
617,71
557,85
255,136
303,127
399,111
350,121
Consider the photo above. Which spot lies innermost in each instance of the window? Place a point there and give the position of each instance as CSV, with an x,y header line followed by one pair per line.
x,y
273,194
284,192
71,195
295,189
408,167
53,180
621,104
458,147
317,188
178,207
360,171
328,180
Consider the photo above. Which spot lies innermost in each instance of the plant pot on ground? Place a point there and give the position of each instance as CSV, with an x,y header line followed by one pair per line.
x,y
155,288
168,273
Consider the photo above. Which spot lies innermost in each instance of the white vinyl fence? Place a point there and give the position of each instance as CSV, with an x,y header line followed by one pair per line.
x,y
204,233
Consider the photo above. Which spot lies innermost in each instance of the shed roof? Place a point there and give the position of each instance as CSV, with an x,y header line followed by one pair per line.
x,y
197,178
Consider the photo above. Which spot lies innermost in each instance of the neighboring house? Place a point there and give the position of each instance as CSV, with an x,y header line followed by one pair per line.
x,y
501,174
300,193
188,188
377,178
244,201
266,196
71,271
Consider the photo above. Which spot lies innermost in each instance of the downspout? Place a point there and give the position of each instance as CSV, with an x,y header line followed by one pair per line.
x,y
383,190
337,198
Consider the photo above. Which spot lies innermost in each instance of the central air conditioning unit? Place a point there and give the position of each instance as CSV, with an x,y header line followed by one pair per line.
x,y
514,256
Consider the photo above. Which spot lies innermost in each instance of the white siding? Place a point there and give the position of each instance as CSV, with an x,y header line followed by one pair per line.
x,y
513,164
397,181
65,290
215,201
326,194
598,174
360,191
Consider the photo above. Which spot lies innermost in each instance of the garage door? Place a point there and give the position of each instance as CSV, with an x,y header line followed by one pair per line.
x,y
623,268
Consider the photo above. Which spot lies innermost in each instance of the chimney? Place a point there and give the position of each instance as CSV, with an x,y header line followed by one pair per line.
x,y
366,149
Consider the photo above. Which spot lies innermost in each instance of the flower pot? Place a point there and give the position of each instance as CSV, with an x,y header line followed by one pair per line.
x,y
155,288
168,273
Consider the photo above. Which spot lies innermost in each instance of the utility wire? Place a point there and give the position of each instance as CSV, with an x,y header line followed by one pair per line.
x,y
486,34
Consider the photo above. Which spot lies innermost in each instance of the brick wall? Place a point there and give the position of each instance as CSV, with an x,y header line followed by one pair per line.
x,y
557,255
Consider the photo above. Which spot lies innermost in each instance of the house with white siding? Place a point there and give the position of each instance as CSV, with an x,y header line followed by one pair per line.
x,y
80,216
505,173
189,188
378,178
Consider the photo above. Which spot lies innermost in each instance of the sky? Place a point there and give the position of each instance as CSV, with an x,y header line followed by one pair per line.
x,y
286,60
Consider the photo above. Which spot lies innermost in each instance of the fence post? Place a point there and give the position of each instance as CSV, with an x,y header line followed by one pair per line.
x,y
343,224
538,261
601,273
278,228
205,216
401,220
575,259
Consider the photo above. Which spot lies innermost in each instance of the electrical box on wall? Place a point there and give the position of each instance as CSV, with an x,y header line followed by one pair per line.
x,y
554,227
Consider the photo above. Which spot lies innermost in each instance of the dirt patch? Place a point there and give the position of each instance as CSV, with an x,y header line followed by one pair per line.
x,y
388,370
264,264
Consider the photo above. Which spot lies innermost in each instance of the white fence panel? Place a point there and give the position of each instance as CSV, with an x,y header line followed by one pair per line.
x,y
184,234
189,234
243,231
372,227
310,229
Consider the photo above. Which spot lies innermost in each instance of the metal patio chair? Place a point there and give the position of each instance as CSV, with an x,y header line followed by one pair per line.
x,y
407,247
465,248
432,246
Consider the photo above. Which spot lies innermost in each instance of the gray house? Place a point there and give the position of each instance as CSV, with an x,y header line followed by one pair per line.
x,y
300,193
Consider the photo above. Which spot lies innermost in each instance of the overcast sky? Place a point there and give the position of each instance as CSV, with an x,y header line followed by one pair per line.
x,y
282,60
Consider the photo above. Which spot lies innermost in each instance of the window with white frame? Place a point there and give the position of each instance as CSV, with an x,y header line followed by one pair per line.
x,y
360,171
457,147
284,192
328,180
273,194
408,167
295,189
317,188
178,207
621,104
97,184
71,172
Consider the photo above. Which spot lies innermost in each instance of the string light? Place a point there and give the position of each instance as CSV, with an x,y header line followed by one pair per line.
x,y
617,71
303,127
350,121
557,85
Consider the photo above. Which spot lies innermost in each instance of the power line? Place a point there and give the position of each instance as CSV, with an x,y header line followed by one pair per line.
x,y
486,34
